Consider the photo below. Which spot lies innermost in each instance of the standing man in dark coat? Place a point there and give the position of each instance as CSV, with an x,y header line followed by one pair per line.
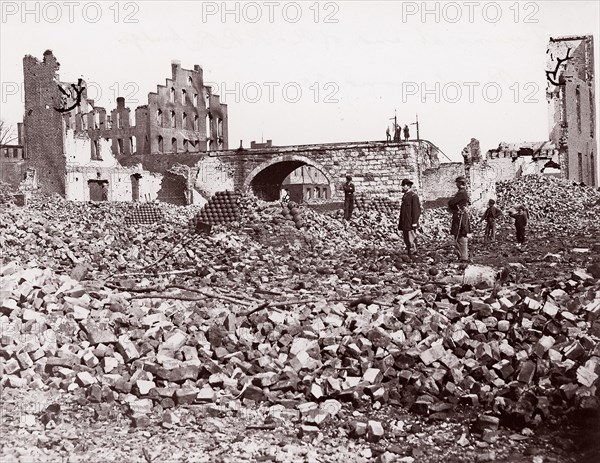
x,y
490,216
460,227
410,212
406,133
348,198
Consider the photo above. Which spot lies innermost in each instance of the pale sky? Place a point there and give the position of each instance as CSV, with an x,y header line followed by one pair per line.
x,y
313,72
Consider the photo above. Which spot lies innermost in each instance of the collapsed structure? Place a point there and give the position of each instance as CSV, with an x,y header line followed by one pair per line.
x,y
77,148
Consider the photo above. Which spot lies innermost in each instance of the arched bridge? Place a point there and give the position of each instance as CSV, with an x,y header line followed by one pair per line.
x,y
377,167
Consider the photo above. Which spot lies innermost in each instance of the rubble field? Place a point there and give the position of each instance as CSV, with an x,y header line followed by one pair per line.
x,y
253,331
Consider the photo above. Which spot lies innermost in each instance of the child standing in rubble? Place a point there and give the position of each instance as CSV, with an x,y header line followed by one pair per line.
x,y
520,217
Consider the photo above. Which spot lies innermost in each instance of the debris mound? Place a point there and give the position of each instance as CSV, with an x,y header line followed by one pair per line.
x,y
553,204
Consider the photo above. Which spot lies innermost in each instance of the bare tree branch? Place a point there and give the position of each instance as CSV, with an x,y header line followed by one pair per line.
x,y
7,133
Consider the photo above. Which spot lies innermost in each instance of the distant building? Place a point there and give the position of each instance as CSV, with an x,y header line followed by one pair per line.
x,y
571,103
307,183
12,160
540,157
255,145
304,184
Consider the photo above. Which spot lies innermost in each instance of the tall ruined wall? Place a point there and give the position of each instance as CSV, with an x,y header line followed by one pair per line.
x,y
183,116
43,124
571,104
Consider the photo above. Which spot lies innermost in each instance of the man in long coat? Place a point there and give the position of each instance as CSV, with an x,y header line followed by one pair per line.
x,y
460,226
349,190
410,212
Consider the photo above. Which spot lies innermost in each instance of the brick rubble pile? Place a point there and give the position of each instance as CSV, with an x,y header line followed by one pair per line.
x,y
307,319
554,205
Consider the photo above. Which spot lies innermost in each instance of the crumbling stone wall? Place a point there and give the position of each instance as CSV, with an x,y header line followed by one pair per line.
x,y
482,184
570,93
438,183
43,124
81,170
504,168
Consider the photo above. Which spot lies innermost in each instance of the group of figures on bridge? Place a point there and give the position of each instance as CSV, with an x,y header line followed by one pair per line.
x,y
460,225
397,133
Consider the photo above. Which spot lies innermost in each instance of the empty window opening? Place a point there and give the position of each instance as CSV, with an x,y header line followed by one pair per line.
x,y
593,169
578,108
135,187
591,105
96,151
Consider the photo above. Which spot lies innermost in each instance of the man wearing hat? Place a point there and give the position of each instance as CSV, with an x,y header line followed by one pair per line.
x,y
460,228
348,197
410,211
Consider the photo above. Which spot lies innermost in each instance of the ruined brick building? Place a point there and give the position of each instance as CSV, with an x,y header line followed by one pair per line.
x,y
74,145
571,98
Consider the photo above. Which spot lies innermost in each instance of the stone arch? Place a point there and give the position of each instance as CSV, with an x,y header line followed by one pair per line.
x,y
265,180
